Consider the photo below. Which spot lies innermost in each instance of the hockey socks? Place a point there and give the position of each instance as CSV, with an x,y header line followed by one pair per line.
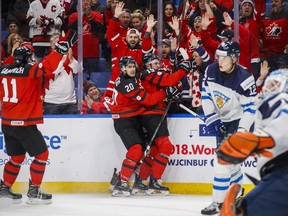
x,y
37,168
12,168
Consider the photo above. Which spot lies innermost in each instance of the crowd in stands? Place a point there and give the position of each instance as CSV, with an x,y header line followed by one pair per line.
x,y
192,29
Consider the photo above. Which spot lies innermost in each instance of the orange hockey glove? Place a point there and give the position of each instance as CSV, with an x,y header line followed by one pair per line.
x,y
240,145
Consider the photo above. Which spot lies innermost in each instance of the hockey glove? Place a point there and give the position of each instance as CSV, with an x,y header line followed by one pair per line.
x,y
172,92
215,125
240,145
186,65
62,47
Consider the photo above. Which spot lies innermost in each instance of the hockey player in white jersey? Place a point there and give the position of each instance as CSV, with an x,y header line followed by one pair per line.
x,y
228,96
269,143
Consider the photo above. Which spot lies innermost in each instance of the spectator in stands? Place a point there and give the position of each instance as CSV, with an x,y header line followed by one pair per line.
x,y
201,60
264,70
225,5
105,48
13,41
274,33
122,41
20,9
12,27
109,10
60,95
211,43
97,6
168,13
138,22
45,17
94,101
248,20
210,7
92,24
168,54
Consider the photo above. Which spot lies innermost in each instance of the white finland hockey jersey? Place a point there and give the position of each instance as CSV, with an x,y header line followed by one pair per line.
x,y
232,96
271,119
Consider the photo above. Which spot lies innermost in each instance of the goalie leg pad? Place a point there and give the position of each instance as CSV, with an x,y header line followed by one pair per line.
x,y
229,205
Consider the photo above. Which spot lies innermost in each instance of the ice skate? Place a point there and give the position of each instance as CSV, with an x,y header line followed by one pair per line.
x,y
212,209
36,196
114,179
6,192
229,205
156,188
121,189
139,188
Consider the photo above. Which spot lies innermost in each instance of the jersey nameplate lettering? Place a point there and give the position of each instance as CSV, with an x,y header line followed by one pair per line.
x,y
17,123
12,71
246,84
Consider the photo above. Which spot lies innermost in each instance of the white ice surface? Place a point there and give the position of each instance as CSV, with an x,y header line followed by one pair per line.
x,y
105,205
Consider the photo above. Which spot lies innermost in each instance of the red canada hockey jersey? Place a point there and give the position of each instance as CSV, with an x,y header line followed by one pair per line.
x,y
274,37
129,98
154,81
21,89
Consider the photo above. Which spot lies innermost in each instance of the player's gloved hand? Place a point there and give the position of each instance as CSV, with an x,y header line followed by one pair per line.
x,y
215,125
237,147
172,92
186,65
62,47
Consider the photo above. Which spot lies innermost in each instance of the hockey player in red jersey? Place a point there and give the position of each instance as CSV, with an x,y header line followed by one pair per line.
x,y
154,80
20,94
129,101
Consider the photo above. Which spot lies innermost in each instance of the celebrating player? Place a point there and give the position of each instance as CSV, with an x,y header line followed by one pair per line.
x,y
22,109
129,101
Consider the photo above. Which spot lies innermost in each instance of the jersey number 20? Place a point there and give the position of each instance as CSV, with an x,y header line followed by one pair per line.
x,y
6,98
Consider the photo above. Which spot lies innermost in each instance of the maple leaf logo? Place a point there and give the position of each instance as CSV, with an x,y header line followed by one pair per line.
x,y
273,29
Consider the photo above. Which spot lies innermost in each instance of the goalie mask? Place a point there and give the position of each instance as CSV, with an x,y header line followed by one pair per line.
x,y
22,55
276,82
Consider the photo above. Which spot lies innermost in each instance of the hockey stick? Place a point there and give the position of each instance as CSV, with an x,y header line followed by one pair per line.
x,y
222,128
191,112
148,147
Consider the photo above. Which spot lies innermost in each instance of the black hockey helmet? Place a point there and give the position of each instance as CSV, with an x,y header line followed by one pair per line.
x,y
228,48
21,55
149,57
125,60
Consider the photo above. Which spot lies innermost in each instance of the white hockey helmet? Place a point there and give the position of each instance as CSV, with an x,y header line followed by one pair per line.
x,y
276,82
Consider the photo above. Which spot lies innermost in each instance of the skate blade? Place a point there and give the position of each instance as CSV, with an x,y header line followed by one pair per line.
x,y
139,192
154,192
111,188
8,200
117,193
35,201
